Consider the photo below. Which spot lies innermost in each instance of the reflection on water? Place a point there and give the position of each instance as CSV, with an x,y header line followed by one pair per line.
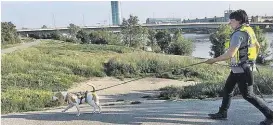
x,y
202,44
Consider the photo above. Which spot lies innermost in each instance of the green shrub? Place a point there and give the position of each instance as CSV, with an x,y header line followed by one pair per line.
x,y
180,45
50,66
164,66
9,33
213,88
17,100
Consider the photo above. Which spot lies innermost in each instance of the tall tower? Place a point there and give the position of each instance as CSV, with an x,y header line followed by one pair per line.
x,y
115,12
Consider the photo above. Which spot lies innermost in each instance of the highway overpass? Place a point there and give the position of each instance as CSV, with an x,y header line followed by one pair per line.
x,y
196,26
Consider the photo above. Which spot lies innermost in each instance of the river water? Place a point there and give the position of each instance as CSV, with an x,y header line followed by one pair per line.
x,y
202,44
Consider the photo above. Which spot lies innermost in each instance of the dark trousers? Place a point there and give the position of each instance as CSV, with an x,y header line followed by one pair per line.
x,y
245,84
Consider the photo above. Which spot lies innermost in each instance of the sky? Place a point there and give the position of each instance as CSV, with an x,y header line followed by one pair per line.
x,y
35,14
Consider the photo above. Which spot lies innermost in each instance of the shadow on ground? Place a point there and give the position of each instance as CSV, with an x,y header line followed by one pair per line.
x,y
192,112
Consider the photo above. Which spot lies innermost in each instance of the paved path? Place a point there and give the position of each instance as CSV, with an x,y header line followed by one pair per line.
x,y
149,112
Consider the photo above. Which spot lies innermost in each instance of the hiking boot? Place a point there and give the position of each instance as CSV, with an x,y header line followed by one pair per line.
x,y
267,122
220,115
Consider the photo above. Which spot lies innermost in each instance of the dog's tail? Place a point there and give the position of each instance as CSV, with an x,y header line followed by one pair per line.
x,y
94,90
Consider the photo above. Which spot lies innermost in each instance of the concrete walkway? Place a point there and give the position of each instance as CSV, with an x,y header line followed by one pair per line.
x,y
149,112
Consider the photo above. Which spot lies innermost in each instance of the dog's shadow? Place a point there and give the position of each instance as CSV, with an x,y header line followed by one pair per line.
x,y
139,114
156,111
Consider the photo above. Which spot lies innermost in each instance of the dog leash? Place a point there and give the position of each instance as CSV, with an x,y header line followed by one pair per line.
x,y
148,76
152,74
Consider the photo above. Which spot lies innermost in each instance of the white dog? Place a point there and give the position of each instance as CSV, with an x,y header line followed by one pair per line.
x,y
73,100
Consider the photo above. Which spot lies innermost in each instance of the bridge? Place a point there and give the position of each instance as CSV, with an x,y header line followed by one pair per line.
x,y
195,26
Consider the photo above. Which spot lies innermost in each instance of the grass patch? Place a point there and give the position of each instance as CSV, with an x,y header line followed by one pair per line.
x,y
15,100
163,66
211,89
51,66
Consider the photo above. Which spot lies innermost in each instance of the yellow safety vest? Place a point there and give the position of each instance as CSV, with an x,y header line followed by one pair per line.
x,y
250,47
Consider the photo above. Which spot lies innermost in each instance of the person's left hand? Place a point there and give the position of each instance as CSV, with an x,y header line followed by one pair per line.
x,y
210,61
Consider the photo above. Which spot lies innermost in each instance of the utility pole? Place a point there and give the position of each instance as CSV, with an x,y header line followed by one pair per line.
x,y
83,22
22,22
109,16
229,9
53,19
121,16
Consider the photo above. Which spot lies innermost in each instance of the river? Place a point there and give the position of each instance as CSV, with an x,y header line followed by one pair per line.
x,y
202,44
